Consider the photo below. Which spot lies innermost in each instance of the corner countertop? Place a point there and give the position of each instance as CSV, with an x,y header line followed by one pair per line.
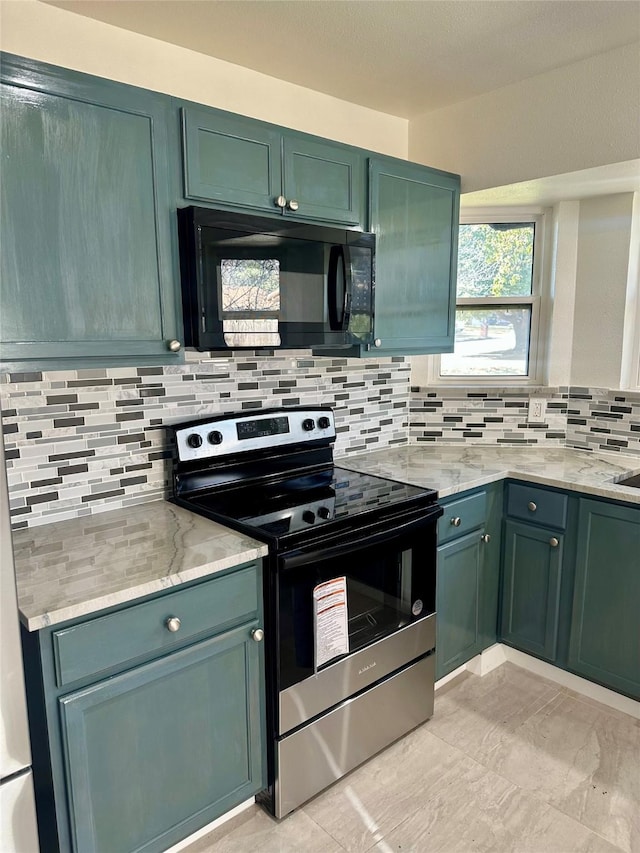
x,y
72,568
451,469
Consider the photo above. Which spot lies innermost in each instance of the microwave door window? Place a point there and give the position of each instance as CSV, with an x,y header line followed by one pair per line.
x,y
249,300
303,309
250,285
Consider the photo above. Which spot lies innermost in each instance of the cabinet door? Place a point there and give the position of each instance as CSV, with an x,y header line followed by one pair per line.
x,y
157,752
87,264
414,213
458,602
531,588
605,628
230,159
324,179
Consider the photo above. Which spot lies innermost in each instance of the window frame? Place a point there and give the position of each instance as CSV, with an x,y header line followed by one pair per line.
x,y
539,302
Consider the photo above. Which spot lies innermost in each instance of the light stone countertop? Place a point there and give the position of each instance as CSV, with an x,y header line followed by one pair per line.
x,y
452,469
72,568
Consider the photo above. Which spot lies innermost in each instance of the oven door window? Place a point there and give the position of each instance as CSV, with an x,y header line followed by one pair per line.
x,y
388,586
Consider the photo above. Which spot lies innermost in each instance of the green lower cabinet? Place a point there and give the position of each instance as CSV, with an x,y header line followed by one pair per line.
x,y
148,720
468,576
531,584
605,628
458,602
161,750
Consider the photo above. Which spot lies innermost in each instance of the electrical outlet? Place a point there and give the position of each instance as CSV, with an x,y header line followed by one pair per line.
x,y
537,408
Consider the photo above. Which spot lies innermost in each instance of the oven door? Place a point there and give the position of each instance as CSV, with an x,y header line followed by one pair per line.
x,y
352,611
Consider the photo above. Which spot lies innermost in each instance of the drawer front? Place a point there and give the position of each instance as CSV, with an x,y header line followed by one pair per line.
x,y
537,505
461,516
142,630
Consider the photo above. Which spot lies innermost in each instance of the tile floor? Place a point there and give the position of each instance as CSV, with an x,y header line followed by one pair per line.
x,y
508,762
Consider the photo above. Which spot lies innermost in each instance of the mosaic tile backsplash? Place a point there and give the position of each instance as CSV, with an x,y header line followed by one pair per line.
x,y
486,416
84,441
604,419
80,442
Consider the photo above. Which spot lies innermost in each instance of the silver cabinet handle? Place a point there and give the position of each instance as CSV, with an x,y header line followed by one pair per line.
x,y
554,542
280,201
258,635
293,204
174,346
456,522
531,506
173,624
377,342
486,538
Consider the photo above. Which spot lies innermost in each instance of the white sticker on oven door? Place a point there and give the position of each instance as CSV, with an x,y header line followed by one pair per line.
x,y
330,620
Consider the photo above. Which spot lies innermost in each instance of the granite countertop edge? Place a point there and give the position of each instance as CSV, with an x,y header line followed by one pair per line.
x,y
601,470
78,567
58,615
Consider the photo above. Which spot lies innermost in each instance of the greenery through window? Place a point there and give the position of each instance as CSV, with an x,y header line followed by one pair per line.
x,y
495,301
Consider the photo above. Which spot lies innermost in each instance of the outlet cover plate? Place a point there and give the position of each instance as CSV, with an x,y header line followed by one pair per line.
x,y
537,409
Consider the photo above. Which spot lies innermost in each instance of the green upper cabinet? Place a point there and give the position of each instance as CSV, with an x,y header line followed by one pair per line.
x,y
605,627
237,161
414,212
88,267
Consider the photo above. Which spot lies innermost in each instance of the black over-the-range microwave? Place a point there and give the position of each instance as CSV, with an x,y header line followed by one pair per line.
x,y
253,282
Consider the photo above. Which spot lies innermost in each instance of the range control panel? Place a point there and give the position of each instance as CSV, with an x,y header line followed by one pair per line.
x,y
226,434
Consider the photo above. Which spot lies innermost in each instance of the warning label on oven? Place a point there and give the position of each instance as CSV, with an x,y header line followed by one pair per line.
x,y
330,618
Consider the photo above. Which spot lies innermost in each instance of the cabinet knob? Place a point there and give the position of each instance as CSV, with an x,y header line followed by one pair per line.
x,y
258,635
554,542
292,204
377,342
456,522
531,506
280,201
173,624
174,346
486,538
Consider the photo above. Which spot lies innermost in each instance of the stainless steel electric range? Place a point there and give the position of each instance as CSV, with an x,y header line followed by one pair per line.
x,y
349,587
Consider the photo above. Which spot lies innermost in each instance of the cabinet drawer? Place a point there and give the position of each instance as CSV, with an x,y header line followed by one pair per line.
x,y
461,516
537,505
141,630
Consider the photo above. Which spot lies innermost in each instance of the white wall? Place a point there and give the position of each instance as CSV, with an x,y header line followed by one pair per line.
x,y
576,117
605,229
38,31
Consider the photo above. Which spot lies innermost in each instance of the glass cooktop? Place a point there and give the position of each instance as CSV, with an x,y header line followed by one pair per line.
x,y
307,502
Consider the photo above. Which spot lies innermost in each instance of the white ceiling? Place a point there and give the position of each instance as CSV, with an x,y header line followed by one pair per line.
x,y
403,57
544,192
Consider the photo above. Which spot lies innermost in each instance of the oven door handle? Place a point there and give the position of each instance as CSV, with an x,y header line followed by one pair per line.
x,y
301,556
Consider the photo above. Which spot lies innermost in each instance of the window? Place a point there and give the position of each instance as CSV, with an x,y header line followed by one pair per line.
x,y
498,302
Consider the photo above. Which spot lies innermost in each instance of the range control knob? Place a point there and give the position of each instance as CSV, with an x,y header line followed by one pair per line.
x,y
308,424
308,516
194,440
214,437
324,512
324,423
